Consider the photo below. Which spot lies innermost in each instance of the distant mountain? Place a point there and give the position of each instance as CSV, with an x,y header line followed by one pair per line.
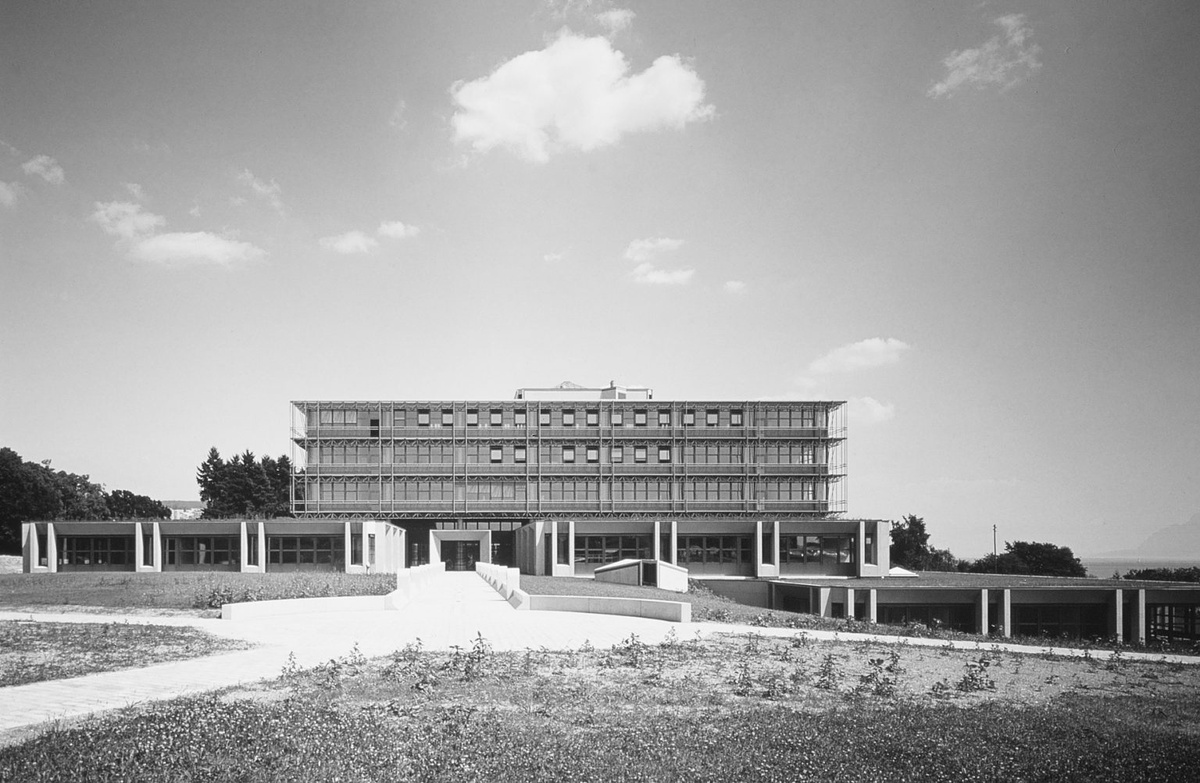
x,y
1175,542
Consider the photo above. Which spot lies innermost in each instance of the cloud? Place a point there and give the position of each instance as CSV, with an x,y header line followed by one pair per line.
x,y
868,410
350,242
268,191
135,190
124,219
45,167
577,93
735,286
10,149
649,274
394,229
396,120
646,249
553,258
646,272
195,210
874,352
193,246
615,19
1004,60
9,193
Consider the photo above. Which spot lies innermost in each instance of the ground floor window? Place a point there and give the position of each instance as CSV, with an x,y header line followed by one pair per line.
x,y
730,550
1075,621
96,550
306,550
823,550
958,617
200,550
610,549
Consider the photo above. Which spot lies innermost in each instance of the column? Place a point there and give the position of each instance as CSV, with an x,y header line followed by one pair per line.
x,y
1006,618
243,547
674,553
156,542
1137,618
861,546
758,549
29,547
981,612
824,605
872,606
657,540
1116,615
346,548
571,547
775,524
850,603
51,548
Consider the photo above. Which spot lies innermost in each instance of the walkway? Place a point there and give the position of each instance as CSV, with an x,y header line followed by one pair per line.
x,y
451,612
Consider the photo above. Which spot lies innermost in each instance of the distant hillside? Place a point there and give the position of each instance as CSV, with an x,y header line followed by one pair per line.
x,y
1175,542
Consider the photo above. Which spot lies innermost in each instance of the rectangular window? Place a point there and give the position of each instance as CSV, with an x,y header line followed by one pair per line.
x,y
689,418
497,454
618,419
735,418
399,417
568,454
447,418
251,549
639,418
664,453
593,453
618,454
807,417
518,418
472,418
711,418
423,418
519,454
593,418
639,453
356,549
568,418
496,418
543,418
664,418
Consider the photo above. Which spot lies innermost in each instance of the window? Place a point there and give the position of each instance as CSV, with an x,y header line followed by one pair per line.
x,y
593,418
356,549
568,418
664,418
472,418
807,417
398,418
639,418
618,418
639,453
519,454
543,418
447,418
423,418
618,454
497,418
711,418
664,453
689,418
593,453
735,418
518,418
497,454
568,454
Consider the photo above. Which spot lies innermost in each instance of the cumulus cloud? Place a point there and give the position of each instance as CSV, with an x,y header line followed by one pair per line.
x,y
45,167
735,286
394,229
193,247
349,243
267,191
9,193
125,220
1004,60
868,410
135,190
649,274
874,352
646,251
615,19
577,93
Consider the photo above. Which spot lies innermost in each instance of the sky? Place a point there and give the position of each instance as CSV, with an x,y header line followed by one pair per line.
x,y
977,223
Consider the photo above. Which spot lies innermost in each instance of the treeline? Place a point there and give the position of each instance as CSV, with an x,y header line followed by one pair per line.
x,y
245,487
35,491
910,549
1189,574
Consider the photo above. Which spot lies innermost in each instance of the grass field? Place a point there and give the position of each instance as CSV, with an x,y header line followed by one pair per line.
x,y
732,708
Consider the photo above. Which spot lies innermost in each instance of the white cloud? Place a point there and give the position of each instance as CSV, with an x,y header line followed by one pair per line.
x,y
9,193
45,167
1004,60
195,210
735,286
646,249
124,219
553,258
615,19
649,274
396,120
577,93
135,190
394,229
874,352
193,247
10,149
868,410
268,191
350,242
237,201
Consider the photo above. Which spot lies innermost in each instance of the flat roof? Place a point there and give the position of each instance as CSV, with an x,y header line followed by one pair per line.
x,y
963,581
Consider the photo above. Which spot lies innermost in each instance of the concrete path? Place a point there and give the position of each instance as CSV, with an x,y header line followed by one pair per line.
x,y
455,608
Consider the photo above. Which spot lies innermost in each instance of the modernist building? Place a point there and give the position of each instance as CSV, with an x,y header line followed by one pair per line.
x,y
561,480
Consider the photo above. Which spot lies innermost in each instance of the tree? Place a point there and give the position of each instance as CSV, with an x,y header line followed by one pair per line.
x,y
1030,558
126,505
910,547
26,493
1190,574
245,487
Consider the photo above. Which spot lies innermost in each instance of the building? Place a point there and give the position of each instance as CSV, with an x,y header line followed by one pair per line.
x,y
561,480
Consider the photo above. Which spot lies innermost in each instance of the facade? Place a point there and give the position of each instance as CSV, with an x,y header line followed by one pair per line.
x,y
559,481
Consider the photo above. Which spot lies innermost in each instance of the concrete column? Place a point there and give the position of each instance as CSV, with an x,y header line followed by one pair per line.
x,y
243,548
571,546
553,546
872,606
824,605
1006,617
674,542
52,548
981,612
775,543
758,550
29,547
262,546
1137,617
1116,615
346,547
861,545
156,542
850,603
657,539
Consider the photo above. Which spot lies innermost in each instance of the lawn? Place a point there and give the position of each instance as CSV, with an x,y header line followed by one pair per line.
x,y
180,590
739,707
32,652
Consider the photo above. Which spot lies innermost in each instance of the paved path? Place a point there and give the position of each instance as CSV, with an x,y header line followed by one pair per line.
x,y
455,608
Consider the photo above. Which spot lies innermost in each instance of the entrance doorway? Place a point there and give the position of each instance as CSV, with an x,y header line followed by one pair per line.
x,y
460,555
